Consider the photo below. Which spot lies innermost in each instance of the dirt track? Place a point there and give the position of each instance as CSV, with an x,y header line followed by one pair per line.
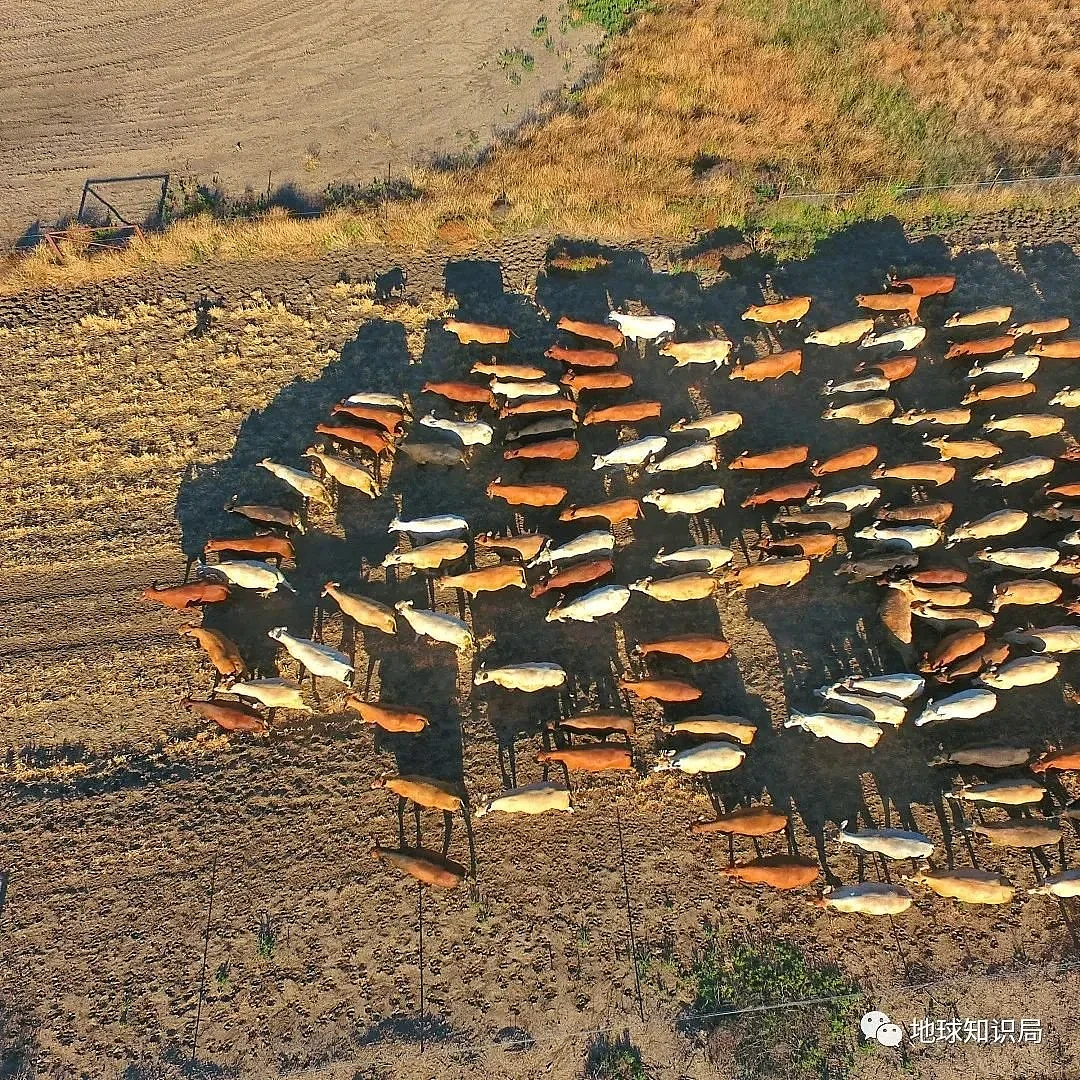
x,y
308,92
152,423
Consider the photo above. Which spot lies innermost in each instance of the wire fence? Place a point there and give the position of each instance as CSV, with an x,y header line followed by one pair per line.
x,y
923,189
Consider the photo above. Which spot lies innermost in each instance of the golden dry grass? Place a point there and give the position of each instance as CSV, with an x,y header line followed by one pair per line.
x,y
700,107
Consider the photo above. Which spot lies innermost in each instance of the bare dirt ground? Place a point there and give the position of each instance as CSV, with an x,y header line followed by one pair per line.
x,y
134,413
303,94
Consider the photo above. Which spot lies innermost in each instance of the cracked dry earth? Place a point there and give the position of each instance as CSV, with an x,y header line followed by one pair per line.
x,y
133,414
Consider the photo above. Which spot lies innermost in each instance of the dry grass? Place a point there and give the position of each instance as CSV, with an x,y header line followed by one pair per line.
x,y
702,111
135,401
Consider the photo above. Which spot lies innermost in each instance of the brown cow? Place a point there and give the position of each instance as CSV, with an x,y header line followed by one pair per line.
x,y
526,494
1056,350
261,514
952,648
388,717
785,493
811,545
895,370
693,647
423,791
193,594
1064,491
597,723
615,511
988,346
779,871
746,821
1061,760
782,458
499,370
1037,327
576,381
461,393
771,572
539,405
990,655
547,450
427,867
925,285
353,435
586,358
581,574
230,715
625,413
222,651
468,332
589,758
891,302
856,458
995,393
661,689
939,575
592,331
782,311
392,421
917,472
487,579
936,513
271,546
769,367
526,547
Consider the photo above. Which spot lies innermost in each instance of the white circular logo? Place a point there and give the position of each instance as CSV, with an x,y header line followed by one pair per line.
x,y
877,1025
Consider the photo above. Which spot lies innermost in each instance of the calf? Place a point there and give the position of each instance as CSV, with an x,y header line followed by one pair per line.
x,y
895,370
526,546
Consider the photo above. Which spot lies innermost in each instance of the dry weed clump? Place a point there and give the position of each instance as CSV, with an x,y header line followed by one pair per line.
x,y
701,115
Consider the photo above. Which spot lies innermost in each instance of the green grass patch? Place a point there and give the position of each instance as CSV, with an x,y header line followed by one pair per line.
x,y
612,16
832,25
806,1043
614,1059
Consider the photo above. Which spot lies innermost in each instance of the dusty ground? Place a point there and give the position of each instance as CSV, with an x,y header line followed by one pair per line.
x,y
131,419
309,93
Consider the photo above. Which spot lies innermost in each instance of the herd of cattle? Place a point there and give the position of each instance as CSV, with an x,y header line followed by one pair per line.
x,y
543,421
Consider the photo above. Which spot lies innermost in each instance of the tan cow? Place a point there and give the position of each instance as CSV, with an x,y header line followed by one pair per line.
x,y
479,333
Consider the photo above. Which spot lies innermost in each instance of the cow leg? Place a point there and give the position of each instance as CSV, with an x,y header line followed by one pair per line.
x,y
757,847
731,849
416,814
884,868
319,623
512,757
187,570
430,581
448,828
461,604
469,836
401,821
